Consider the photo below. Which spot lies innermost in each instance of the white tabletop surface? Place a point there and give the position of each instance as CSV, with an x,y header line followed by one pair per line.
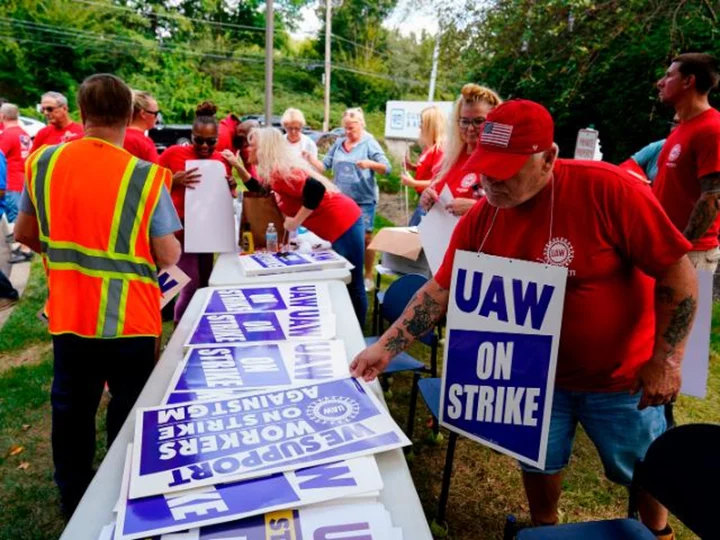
x,y
228,271
95,510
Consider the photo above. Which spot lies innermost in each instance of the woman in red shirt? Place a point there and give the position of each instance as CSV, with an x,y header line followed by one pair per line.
x,y
198,266
432,139
145,113
469,114
307,198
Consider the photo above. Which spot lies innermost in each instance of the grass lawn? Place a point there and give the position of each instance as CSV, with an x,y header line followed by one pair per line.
x,y
485,486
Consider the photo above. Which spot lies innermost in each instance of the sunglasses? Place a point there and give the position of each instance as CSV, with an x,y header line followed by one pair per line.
x,y
48,109
200,141
154,113
465,123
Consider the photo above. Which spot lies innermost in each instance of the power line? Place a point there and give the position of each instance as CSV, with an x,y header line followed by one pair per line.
x,y
111,39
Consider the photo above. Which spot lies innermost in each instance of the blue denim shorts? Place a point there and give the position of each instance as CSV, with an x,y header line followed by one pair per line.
x,y
620,432
368,215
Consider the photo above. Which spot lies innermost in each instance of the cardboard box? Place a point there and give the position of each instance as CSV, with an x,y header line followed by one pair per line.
x,y
402,250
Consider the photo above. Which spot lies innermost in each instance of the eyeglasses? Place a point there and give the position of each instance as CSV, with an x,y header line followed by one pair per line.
x,y
154,113
200,141
48,109
476,122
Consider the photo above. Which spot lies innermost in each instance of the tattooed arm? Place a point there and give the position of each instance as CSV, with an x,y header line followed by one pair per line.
x,y
706,208
675,304
420,316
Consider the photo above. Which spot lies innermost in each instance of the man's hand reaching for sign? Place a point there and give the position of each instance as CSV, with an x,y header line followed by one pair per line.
x,y
420,316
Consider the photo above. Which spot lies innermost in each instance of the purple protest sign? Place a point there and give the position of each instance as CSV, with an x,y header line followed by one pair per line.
x,y
200,507
179,447
208,373
351,521
273,263
272,298
293,325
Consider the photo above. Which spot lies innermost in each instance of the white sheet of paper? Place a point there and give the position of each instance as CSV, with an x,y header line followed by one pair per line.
x,y
697,351
209,212
436,228
172,281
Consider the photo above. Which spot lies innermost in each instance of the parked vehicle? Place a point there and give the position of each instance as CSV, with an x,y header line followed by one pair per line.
x,y
31,125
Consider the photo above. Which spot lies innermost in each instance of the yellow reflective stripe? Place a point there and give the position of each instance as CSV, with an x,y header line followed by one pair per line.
x,y
103,305
123,307
141,207
100,273
98,252
119,202
33,175
48,177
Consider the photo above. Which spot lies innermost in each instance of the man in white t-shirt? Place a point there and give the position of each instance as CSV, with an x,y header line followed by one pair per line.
x,y
293,121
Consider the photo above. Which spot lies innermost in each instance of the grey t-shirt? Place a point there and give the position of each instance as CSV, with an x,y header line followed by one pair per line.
x,y
164,220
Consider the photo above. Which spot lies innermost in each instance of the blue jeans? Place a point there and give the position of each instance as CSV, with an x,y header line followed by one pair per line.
x,y
368,216
620,432
417,216
351,245
11,205
82,367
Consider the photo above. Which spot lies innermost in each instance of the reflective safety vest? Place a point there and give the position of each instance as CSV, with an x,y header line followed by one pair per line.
x,y
94,203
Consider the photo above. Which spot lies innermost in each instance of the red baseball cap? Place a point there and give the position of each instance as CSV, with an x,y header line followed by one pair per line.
x,y
512,133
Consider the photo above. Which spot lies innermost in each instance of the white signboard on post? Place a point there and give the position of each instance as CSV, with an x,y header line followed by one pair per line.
x,y
402,118
503,332
586,144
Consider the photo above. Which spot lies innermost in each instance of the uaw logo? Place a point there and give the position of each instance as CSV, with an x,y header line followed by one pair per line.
x,y
558,252
333,410
25,146
468,180
675,153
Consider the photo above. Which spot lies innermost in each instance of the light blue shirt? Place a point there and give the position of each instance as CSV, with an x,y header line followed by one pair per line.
x,y
3,171
358,184
647,158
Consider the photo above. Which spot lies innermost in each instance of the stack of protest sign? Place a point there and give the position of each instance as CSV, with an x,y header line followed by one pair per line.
x,y
257,314
261,428
262,264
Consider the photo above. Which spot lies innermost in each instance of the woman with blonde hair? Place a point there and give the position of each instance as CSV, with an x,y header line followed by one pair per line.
x,y
145,116
293,122
432,139
469,114
309,199
354,160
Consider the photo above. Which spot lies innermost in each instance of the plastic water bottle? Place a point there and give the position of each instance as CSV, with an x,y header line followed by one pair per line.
x,y
292,240
271,238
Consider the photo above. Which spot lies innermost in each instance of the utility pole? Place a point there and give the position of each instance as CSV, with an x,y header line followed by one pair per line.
x,y
328,25
433,73
269,49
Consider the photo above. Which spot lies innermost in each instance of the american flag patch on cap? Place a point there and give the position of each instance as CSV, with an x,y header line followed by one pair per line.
x,y
496,134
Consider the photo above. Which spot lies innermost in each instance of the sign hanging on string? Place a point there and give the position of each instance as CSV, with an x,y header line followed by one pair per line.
x,y
503,327
179,447
167,513
223,372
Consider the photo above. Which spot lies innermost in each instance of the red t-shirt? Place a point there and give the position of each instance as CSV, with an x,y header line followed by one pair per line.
x,y
226,132
140,145
690,152
428,164
335,215
15,143
463,184
174,158
612,234
52,135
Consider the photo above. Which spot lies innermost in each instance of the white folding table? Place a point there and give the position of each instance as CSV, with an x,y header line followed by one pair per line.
x,y
96,508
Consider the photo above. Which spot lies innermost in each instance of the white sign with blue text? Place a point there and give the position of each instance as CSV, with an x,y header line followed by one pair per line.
x,y
223,372
503,332
265,263
209,505
184,446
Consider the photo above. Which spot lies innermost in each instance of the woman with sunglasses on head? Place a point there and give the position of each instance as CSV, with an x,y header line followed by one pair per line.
x,y
471,109
145,116
307,198
198,266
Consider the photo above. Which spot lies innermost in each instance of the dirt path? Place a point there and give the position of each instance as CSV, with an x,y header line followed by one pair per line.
x,y
392,206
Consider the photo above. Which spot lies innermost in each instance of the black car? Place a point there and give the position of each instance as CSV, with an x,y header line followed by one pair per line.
x,y
169,134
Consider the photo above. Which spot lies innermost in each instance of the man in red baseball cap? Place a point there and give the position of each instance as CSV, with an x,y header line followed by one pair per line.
x,y
629,304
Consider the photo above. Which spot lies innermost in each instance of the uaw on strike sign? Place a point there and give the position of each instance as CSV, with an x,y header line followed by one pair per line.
x,y
504,319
